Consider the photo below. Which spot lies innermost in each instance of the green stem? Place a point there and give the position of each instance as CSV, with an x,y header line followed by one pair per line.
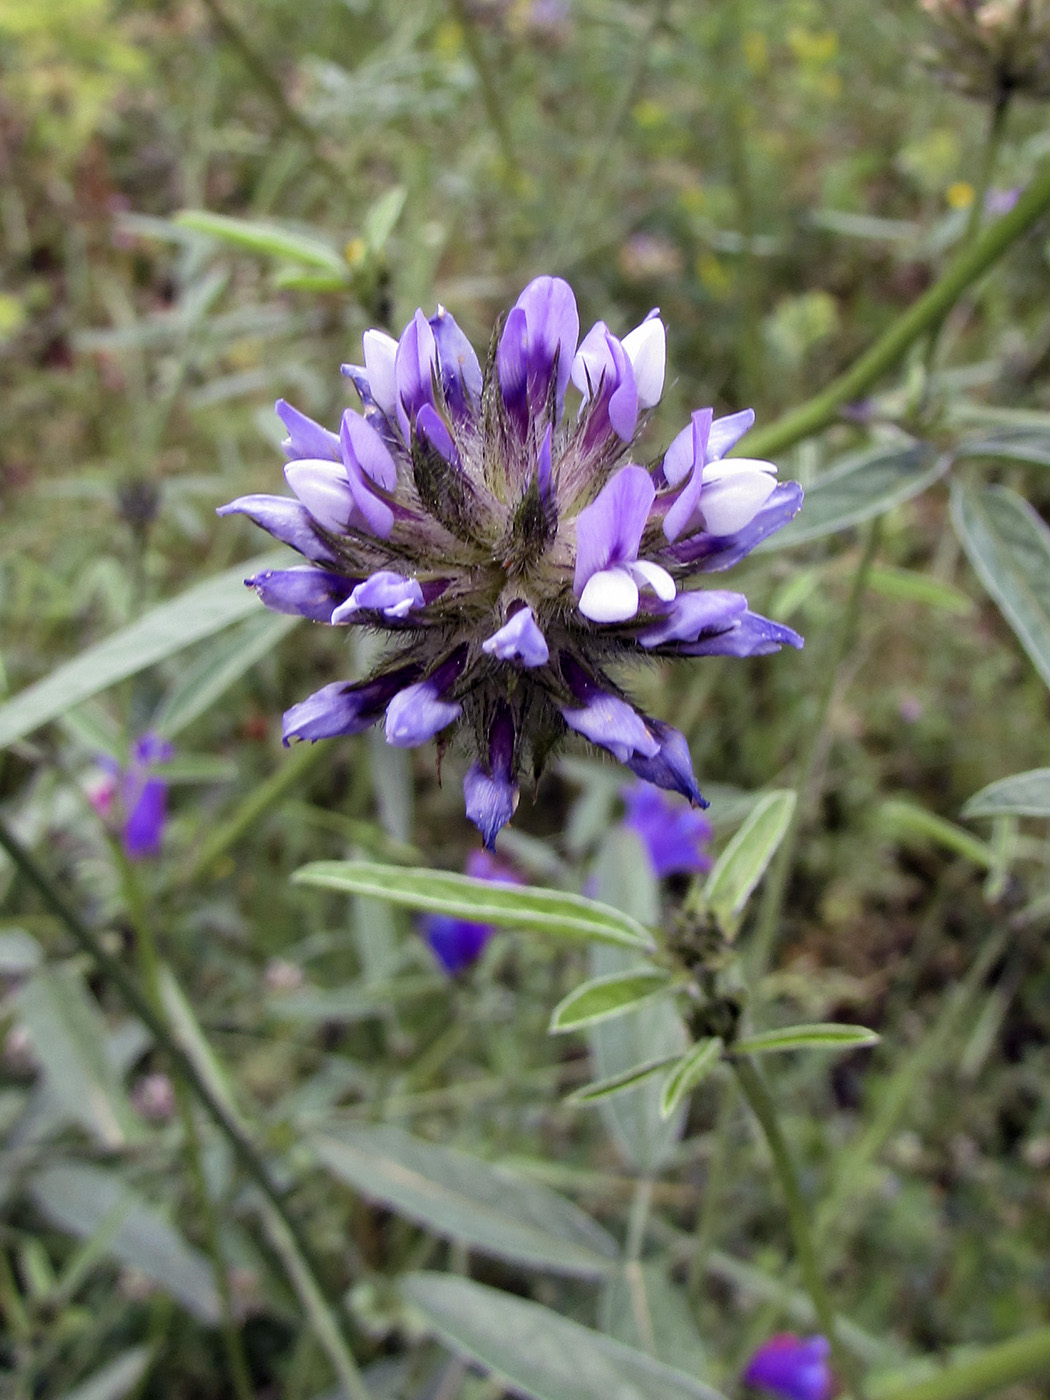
x,y
768,923
149,961
992,1369
989,156
489,92
932,306
761,1104
307,1271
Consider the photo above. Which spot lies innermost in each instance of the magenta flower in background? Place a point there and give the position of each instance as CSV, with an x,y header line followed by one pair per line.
x,y
512,547
457,943
134,798
675,834
792,1368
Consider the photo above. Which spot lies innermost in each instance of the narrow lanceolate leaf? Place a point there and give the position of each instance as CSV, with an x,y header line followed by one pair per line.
x,y
743,862
69,1038
1022,795
1008,545
536,910
83,1200
536,1352
465,1198
861,488
604,997
1030,445
612,1084
116,1379
269,240
166,630
694,1066
904,819
825,1035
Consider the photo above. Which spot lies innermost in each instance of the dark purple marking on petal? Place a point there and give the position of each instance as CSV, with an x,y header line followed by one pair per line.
x,y
491,795
419,711
671,767
344,707
303,592
414,367
286,520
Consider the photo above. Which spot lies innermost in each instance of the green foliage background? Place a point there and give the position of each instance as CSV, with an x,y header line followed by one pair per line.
x,y
784,178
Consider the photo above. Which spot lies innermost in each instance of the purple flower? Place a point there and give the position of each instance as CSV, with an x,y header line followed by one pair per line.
x,y
457,943
792,1368
675,836
134,798
510,545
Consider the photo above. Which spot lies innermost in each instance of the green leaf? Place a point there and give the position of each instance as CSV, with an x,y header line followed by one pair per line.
x,y
115,1380
858,489
82,1199
825,1035
538,1353
642,1308
357,1002
743,862
258,236
695,1065
204,683
20,953
600,1089
486,1206
914,587
1010,445
382,217
200,612
604,997
901,818
1022,795
70,1040
652,1034
551,912
1009,547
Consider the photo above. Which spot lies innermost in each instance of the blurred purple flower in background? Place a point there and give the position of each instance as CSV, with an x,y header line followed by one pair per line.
x,y
512,550
457,943
792,1368
134,798
675,834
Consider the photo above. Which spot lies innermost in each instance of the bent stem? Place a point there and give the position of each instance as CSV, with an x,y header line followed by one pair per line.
x,y
761,1104
927,312
328,1324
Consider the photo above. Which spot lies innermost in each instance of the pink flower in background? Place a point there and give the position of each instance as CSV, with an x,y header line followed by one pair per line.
x,y
134,798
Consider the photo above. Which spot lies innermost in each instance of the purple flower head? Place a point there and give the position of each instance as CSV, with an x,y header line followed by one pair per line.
x,y
792,1368
135,796
457,943
675,836
510,546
